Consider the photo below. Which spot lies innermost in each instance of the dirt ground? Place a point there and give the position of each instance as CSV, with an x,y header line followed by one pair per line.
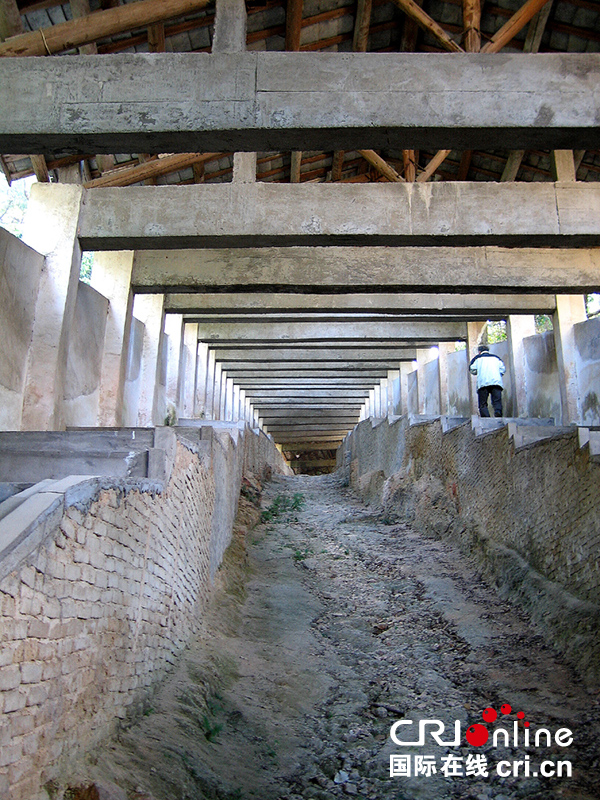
x,y
328,625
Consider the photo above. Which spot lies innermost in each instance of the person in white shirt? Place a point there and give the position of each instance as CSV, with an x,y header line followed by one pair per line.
x,y
489,369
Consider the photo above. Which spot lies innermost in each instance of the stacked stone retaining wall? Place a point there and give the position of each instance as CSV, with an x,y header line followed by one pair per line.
x,y
530,515
100,593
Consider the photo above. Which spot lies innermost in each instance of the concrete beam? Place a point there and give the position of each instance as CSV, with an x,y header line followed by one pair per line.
x,y
292,101
360,332
336,270
418,303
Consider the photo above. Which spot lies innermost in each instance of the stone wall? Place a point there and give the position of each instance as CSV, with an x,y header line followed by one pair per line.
x,y
530,516
20,270
102,583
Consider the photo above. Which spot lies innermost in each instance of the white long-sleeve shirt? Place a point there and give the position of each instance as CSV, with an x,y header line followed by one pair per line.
x,y
489,369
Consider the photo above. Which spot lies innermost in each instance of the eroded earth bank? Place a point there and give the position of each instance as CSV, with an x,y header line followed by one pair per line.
x,y
329,623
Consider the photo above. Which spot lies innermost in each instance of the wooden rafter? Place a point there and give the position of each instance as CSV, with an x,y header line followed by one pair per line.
x,y
410,165
295,164
472,25
433,165
10,19
362,25
293,24
515,24
156,37
381,166
150,169
336,165
424,21
40,168
81,8
85,30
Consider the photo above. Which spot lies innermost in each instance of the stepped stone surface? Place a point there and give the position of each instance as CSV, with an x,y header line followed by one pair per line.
x,y
329,623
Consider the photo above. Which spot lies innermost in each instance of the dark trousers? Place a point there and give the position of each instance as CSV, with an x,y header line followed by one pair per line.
x,y
482,396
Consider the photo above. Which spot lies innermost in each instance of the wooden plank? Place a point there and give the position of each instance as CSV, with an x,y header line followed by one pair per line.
x,y
472,25
381,166
156,37
424,21
536,29
81,8
465,163
513,163
150,169
516,23
99,25
296,161
336,165
40,168
410,165
293,24
10,19
433,165
362,25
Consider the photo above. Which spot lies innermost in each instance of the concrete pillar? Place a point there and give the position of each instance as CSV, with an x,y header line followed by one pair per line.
x,y
423,357
518,327
51,229
444,348
383,394
200,382
570,309
223,394
474,333
405,369
394,390
111,276
237,411
149,309
372,410
228,399
209,398
187,370
174,330
217,392
230,37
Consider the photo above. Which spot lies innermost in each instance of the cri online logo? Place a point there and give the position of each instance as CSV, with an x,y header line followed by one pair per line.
x,y
477,734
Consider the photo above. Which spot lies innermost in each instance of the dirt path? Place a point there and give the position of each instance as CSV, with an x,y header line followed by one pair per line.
x,y
341,625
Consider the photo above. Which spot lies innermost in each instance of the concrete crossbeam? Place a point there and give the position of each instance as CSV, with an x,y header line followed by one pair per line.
x,y
335,270
292,101
306,383
284,303
265,332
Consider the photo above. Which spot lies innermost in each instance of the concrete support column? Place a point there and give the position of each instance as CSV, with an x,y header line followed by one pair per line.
x,y
229,399
236,416
371,401
111,276
187,371
223,394
174,331
423,357
201,379
51,229
217,392
209,400
474,333
444,348
570,309
230,37
383,397
405,369
394,391
148,308
518,328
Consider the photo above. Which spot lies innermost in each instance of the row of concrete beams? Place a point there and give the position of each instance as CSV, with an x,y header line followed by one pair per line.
x,y
411,215
166,102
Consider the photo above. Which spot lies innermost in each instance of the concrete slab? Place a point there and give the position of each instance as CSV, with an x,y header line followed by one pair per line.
x,y
290,101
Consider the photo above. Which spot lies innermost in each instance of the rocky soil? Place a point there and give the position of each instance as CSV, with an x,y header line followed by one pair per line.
x,y
329,623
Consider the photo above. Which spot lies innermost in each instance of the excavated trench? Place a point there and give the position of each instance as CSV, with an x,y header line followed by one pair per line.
x,y
328,624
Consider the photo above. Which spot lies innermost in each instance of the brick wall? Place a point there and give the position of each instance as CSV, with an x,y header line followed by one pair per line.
x,y
99,609
531,517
